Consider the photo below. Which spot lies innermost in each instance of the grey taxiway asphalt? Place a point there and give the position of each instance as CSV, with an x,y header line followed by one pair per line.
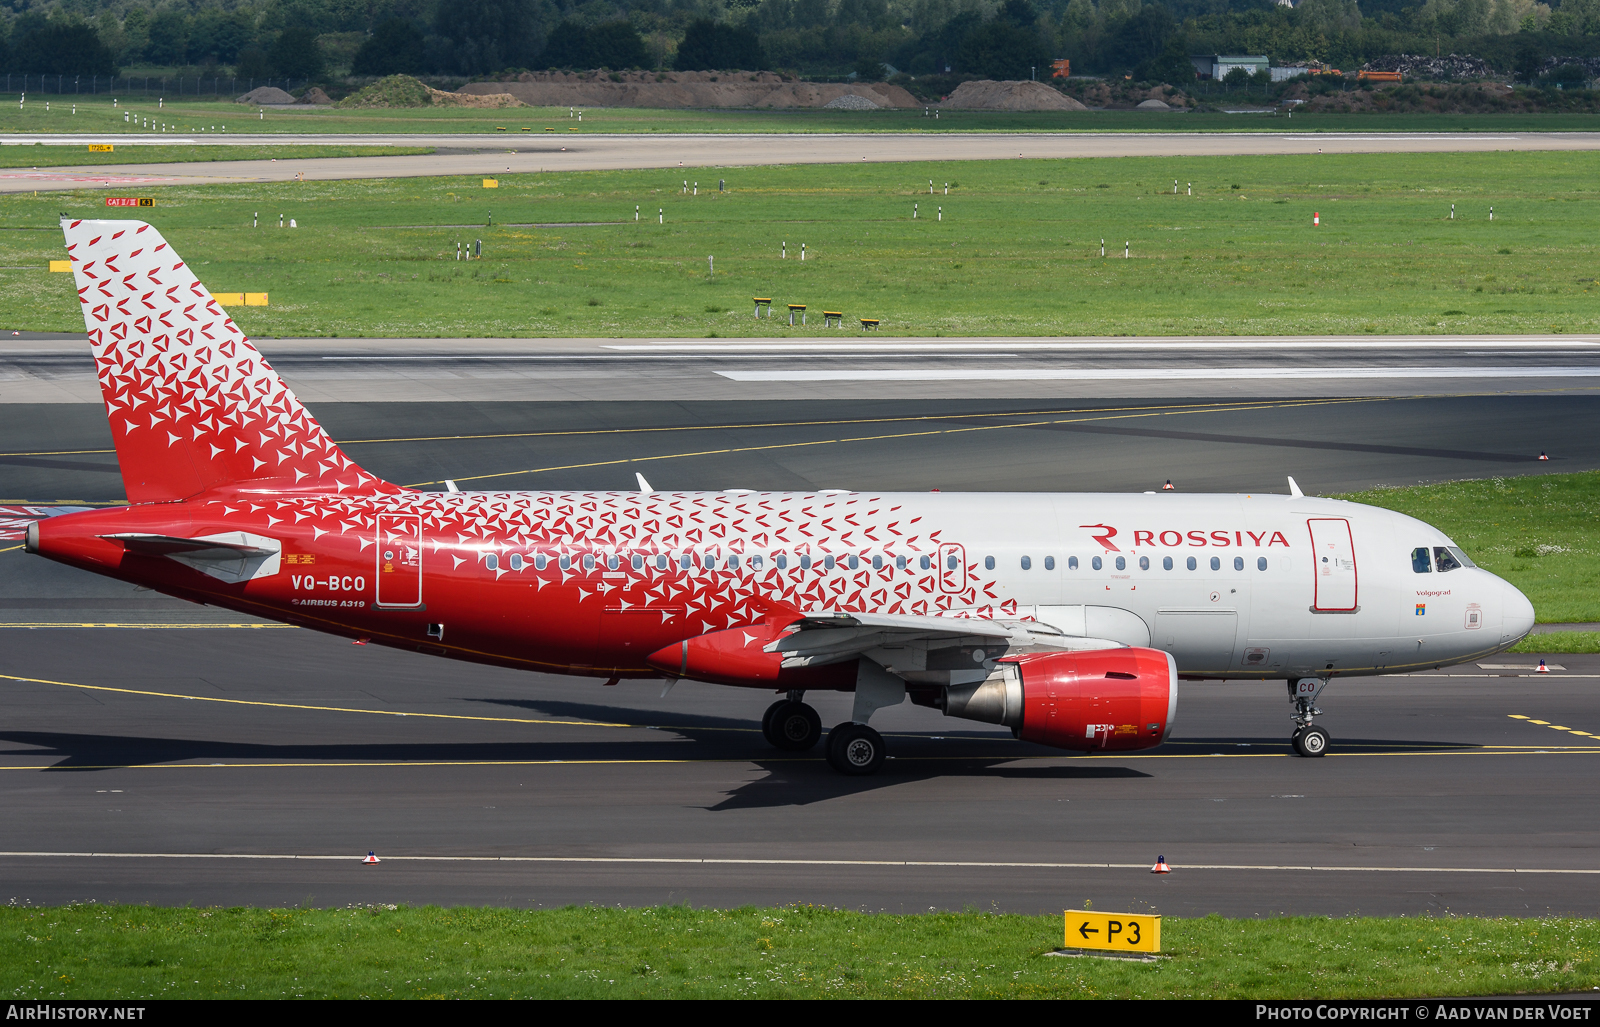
x,y
151,752
815,364
494,153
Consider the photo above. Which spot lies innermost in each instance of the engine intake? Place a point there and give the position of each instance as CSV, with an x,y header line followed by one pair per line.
x,y
1104,699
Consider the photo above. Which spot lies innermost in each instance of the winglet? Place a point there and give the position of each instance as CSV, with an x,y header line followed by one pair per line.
x,y
1294,489
644,486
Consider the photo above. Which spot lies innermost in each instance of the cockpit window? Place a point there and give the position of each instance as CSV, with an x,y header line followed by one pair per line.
x,y
1463,558
1420,562
1444,558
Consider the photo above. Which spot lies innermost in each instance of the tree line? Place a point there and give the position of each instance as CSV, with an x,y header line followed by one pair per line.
x,y
310,39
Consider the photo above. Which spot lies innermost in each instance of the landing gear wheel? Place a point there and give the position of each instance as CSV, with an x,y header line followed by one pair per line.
x,y
855,749
766,720
792,726
1310,741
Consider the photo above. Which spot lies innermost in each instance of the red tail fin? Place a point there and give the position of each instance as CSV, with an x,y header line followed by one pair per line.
x,y
192,404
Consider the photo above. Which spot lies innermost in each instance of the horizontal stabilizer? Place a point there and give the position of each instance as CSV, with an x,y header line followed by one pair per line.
x,y
168,545
232,556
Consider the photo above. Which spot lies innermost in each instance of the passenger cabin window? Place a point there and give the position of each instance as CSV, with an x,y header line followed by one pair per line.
x,y
733,563
877,563
1027,563
951,563
1122,564
1144,563
828,563
540,561
1261,563
685,561
492,562
515,561
1238,563
661,561
1049,563
612,562
638,562
1420,562
1095,563
926,563
1192,563
805,562
709,562
565,562
899,563
852,562
780,561
588,561
1072,563
755,563
1166,563
988,563
1216,563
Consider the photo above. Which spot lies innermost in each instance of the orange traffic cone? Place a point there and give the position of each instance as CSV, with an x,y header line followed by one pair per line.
x,y
1161,866
372,857
1543,455
1169,487
1542,668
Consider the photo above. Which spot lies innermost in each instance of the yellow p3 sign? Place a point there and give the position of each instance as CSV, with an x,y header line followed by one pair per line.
x,y
1119,932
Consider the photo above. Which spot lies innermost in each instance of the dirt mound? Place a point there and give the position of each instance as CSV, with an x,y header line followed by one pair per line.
x,y
1422,66
1152,105
405,91
987,95
851,102
394,91
315,95
683,89
263,96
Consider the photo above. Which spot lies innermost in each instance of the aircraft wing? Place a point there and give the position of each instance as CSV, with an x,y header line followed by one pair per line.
x,y
823,637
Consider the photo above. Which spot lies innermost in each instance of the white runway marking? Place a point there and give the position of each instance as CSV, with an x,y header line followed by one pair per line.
x,y
1121,374
712,861
1101,345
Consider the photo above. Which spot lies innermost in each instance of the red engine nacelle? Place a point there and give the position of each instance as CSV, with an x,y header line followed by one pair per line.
x,y
1105,699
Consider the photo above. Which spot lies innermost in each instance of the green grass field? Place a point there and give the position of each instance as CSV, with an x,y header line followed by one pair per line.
x,y
135,952
40,156
1017,251
96,114
1541,533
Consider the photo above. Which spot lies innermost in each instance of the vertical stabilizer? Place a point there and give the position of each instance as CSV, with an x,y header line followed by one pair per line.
x,y
192,404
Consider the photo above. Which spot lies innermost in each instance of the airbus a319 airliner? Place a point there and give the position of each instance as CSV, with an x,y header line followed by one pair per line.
x,y
1068,618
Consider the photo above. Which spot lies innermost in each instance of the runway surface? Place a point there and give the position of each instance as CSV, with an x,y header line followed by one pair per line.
x,y
489,154
813,366
140,756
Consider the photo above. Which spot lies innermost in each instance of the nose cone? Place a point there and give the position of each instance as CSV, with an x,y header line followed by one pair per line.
x,y
1516,614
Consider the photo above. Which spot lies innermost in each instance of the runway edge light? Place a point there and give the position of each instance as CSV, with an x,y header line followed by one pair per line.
x,y
1115,932
1161,866
372,857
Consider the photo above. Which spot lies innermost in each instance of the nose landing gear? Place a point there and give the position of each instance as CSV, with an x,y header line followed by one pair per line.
x,y
1307,740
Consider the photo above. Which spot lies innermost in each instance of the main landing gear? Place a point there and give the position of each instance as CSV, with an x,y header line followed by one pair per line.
x,y
855,749
1307,740
791,725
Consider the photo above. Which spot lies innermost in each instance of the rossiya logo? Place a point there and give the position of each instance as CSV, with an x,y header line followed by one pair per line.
x,y
1107,533
1218,539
